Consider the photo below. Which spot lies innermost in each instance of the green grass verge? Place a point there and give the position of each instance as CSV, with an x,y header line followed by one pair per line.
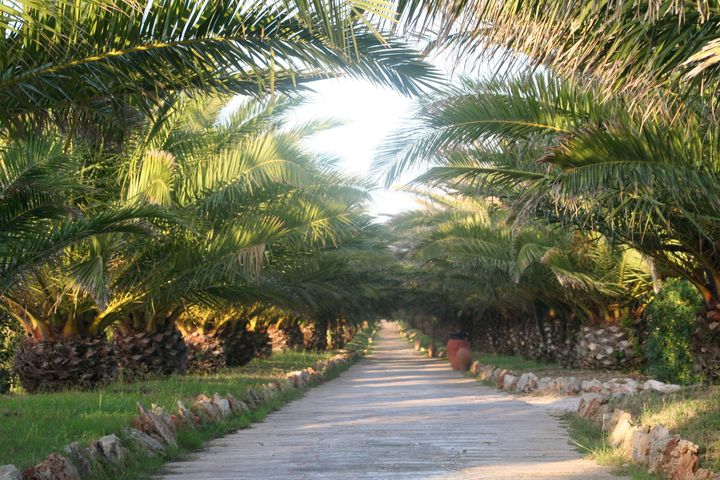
x,y
515,363
33,426
593,443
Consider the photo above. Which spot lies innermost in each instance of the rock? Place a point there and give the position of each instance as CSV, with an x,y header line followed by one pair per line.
x,y
292,376
237,406
144,442
285,385
269,391
660,386
592,386
9,472
660,452
546,385
660,445
614,418
527,382
111,448
206,408
475,367
701,474
166,417
640,446
186,418
83,458
622,385
313,374
509,381
151,424
681,462
256,397
591,405
601,348
499,378
223,405
54,467
298,378
622,430
568,385
485,372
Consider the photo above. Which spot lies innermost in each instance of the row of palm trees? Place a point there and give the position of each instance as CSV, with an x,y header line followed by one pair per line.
x,y
135,207
138,209
581,174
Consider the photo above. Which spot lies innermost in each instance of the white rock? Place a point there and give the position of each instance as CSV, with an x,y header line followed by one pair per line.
x,y
9,472
568,385
660,386
223,404
623,385
509,381
592,386
527,382
546,385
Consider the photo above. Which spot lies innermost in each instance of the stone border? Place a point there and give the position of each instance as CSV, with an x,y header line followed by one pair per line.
x,y
410,337
652,447
154,429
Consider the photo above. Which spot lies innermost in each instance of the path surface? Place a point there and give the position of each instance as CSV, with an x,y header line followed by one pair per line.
x,y
395,415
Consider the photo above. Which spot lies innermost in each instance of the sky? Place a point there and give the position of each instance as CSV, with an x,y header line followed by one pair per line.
x,y
368,114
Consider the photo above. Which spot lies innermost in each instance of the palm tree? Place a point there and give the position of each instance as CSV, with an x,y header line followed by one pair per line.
x,y
224,193
660,51
525,274
613,135
246,189
548,148
88,74
80,64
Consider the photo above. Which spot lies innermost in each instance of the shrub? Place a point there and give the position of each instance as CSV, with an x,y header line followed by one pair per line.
x,y
671,317
10,336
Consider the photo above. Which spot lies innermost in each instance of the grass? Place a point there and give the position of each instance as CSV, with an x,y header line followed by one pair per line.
x,y
515,363
593,443
693,413
33,426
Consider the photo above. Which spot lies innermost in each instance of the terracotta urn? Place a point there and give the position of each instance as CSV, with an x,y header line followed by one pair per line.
x,y
463,359
452,347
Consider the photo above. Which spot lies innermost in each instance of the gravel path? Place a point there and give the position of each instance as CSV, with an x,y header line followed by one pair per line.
x,y
396,415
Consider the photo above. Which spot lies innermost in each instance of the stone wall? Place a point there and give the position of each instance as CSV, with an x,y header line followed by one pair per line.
x,y
551,340
606,347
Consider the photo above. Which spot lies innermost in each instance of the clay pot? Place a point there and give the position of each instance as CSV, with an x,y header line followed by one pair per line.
x,y
452,347
417,345
463,359
432,351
